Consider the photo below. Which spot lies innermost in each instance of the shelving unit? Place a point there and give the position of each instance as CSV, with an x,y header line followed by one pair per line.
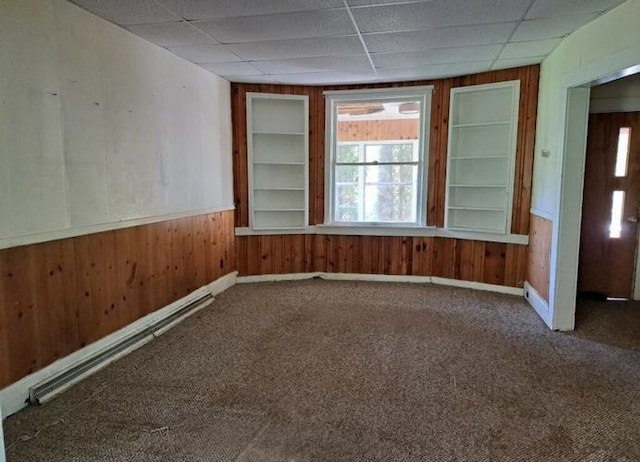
x,y
277,142
481,157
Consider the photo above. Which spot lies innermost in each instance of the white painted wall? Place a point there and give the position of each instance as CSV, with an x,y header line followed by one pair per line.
x,y
98,126
612,33
2,454
608,46
618,96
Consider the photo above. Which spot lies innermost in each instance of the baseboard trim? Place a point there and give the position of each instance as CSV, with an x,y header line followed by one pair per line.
x,y
382,278
16,396
537,302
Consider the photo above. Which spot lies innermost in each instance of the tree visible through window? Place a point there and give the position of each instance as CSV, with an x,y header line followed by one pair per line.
x,y
376,159
376,182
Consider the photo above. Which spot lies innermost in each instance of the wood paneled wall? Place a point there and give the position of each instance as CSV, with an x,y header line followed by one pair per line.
x,y
472,260
538,265
489,262
375,130
59,296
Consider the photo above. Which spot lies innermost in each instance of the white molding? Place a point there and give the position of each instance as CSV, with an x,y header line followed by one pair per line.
x,y
276,277
36,238
15,396
522,239
382,278
402,231
538,303
426,231
2,454
542,213
478,286
246,231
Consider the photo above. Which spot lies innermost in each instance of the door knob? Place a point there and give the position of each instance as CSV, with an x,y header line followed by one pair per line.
x,y
632,219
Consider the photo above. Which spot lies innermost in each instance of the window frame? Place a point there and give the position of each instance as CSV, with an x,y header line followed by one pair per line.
x,y
335,98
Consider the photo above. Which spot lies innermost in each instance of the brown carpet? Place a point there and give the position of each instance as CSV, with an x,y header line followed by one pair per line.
x,y
331,371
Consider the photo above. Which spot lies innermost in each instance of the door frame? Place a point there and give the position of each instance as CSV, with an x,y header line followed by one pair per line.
x,y
565,244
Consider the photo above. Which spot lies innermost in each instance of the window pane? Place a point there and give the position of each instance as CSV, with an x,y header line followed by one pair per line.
x,y
390,153
347,153
347,174
385,131
348,207
617,206
622,155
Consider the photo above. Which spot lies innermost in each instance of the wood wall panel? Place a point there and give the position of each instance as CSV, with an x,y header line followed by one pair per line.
x,y
488,262
538,265
493,263
59,296
376,130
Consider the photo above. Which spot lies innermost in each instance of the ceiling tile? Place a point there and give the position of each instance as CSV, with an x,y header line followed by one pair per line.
x,y
307,65
205,54
537,29
125,12
171,34
439,38
438,13
437,56
553,8
434,71
517,50
324,78
304,24
207,9
517,62
300,48
236,69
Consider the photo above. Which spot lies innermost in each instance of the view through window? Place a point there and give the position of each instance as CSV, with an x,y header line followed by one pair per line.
x,y
377,161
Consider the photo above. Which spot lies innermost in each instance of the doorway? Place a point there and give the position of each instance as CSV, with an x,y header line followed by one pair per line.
x,y
609,225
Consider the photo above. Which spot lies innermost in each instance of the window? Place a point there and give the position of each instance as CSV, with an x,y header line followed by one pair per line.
x,y
376,167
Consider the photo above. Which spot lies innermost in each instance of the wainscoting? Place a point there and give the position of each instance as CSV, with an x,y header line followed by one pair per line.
x,y
59,296
539,255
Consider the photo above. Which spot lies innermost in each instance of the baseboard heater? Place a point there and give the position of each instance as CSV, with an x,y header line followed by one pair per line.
x,y
48,388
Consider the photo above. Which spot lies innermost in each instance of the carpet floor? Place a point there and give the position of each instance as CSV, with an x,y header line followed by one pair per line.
x,y
355,371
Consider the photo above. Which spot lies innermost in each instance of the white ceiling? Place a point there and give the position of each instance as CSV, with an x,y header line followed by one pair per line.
x,y
352,41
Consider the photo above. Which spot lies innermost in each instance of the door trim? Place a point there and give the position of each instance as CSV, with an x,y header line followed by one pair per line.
x,y
566,226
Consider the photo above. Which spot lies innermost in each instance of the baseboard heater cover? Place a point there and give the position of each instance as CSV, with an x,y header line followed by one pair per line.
x,y
48,388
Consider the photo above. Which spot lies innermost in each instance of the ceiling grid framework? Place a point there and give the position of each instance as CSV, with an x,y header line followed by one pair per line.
x,y
322,42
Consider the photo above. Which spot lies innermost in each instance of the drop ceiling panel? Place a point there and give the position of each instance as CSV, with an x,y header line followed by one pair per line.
x,y
439,38
307,65
438,13
315,41
552,8
227,69
205,54
171,34
437,56
434,71
125,12
300,48
208,9
304,24
528,49
537,29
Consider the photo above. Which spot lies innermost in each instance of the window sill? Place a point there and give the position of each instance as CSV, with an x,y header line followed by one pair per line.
x,y
402,231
